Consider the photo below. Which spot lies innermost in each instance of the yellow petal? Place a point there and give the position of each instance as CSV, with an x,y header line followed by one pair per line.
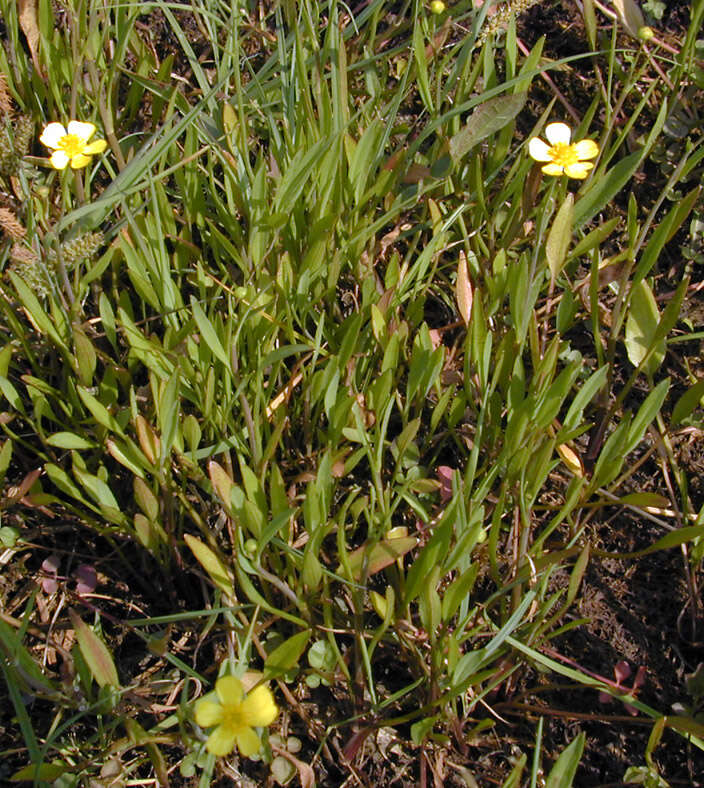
x,y
79,160
552,169
84,131
538,150
208,713
58,160
222,740
586,149
579,170
258,708
229,690
558,132
95,147
52,135
248,742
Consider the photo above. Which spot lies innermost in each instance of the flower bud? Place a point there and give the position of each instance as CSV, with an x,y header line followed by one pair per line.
x,y
437,7
646,33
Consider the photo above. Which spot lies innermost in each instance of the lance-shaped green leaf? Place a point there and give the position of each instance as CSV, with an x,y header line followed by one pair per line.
x,y
26,675
127,454
686,404
69,440
168,414
645,499
146,499
43,772
487,118
379,556
35,311
664,232
95,653
559,237
209,334
222,483
422,64
629,15
285,657
215,568
590,22
85,355
563,772
99,412
641,325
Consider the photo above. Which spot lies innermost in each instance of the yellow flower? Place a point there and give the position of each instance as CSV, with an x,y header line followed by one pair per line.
x,y
561,155
437,7
72,145
235,716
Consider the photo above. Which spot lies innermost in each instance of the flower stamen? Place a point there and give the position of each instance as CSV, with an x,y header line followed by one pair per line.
x,y
564,155
72,145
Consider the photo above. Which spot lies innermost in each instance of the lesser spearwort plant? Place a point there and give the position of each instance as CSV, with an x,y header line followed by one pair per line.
x,y
328,378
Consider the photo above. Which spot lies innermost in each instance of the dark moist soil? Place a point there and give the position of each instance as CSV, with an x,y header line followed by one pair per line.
x,y
638,611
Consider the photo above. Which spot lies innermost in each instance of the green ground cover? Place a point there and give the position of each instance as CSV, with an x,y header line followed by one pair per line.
x,y
349,393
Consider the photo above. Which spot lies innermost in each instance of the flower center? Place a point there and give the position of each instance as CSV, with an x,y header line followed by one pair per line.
x,y
563,154
71,145
232,717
